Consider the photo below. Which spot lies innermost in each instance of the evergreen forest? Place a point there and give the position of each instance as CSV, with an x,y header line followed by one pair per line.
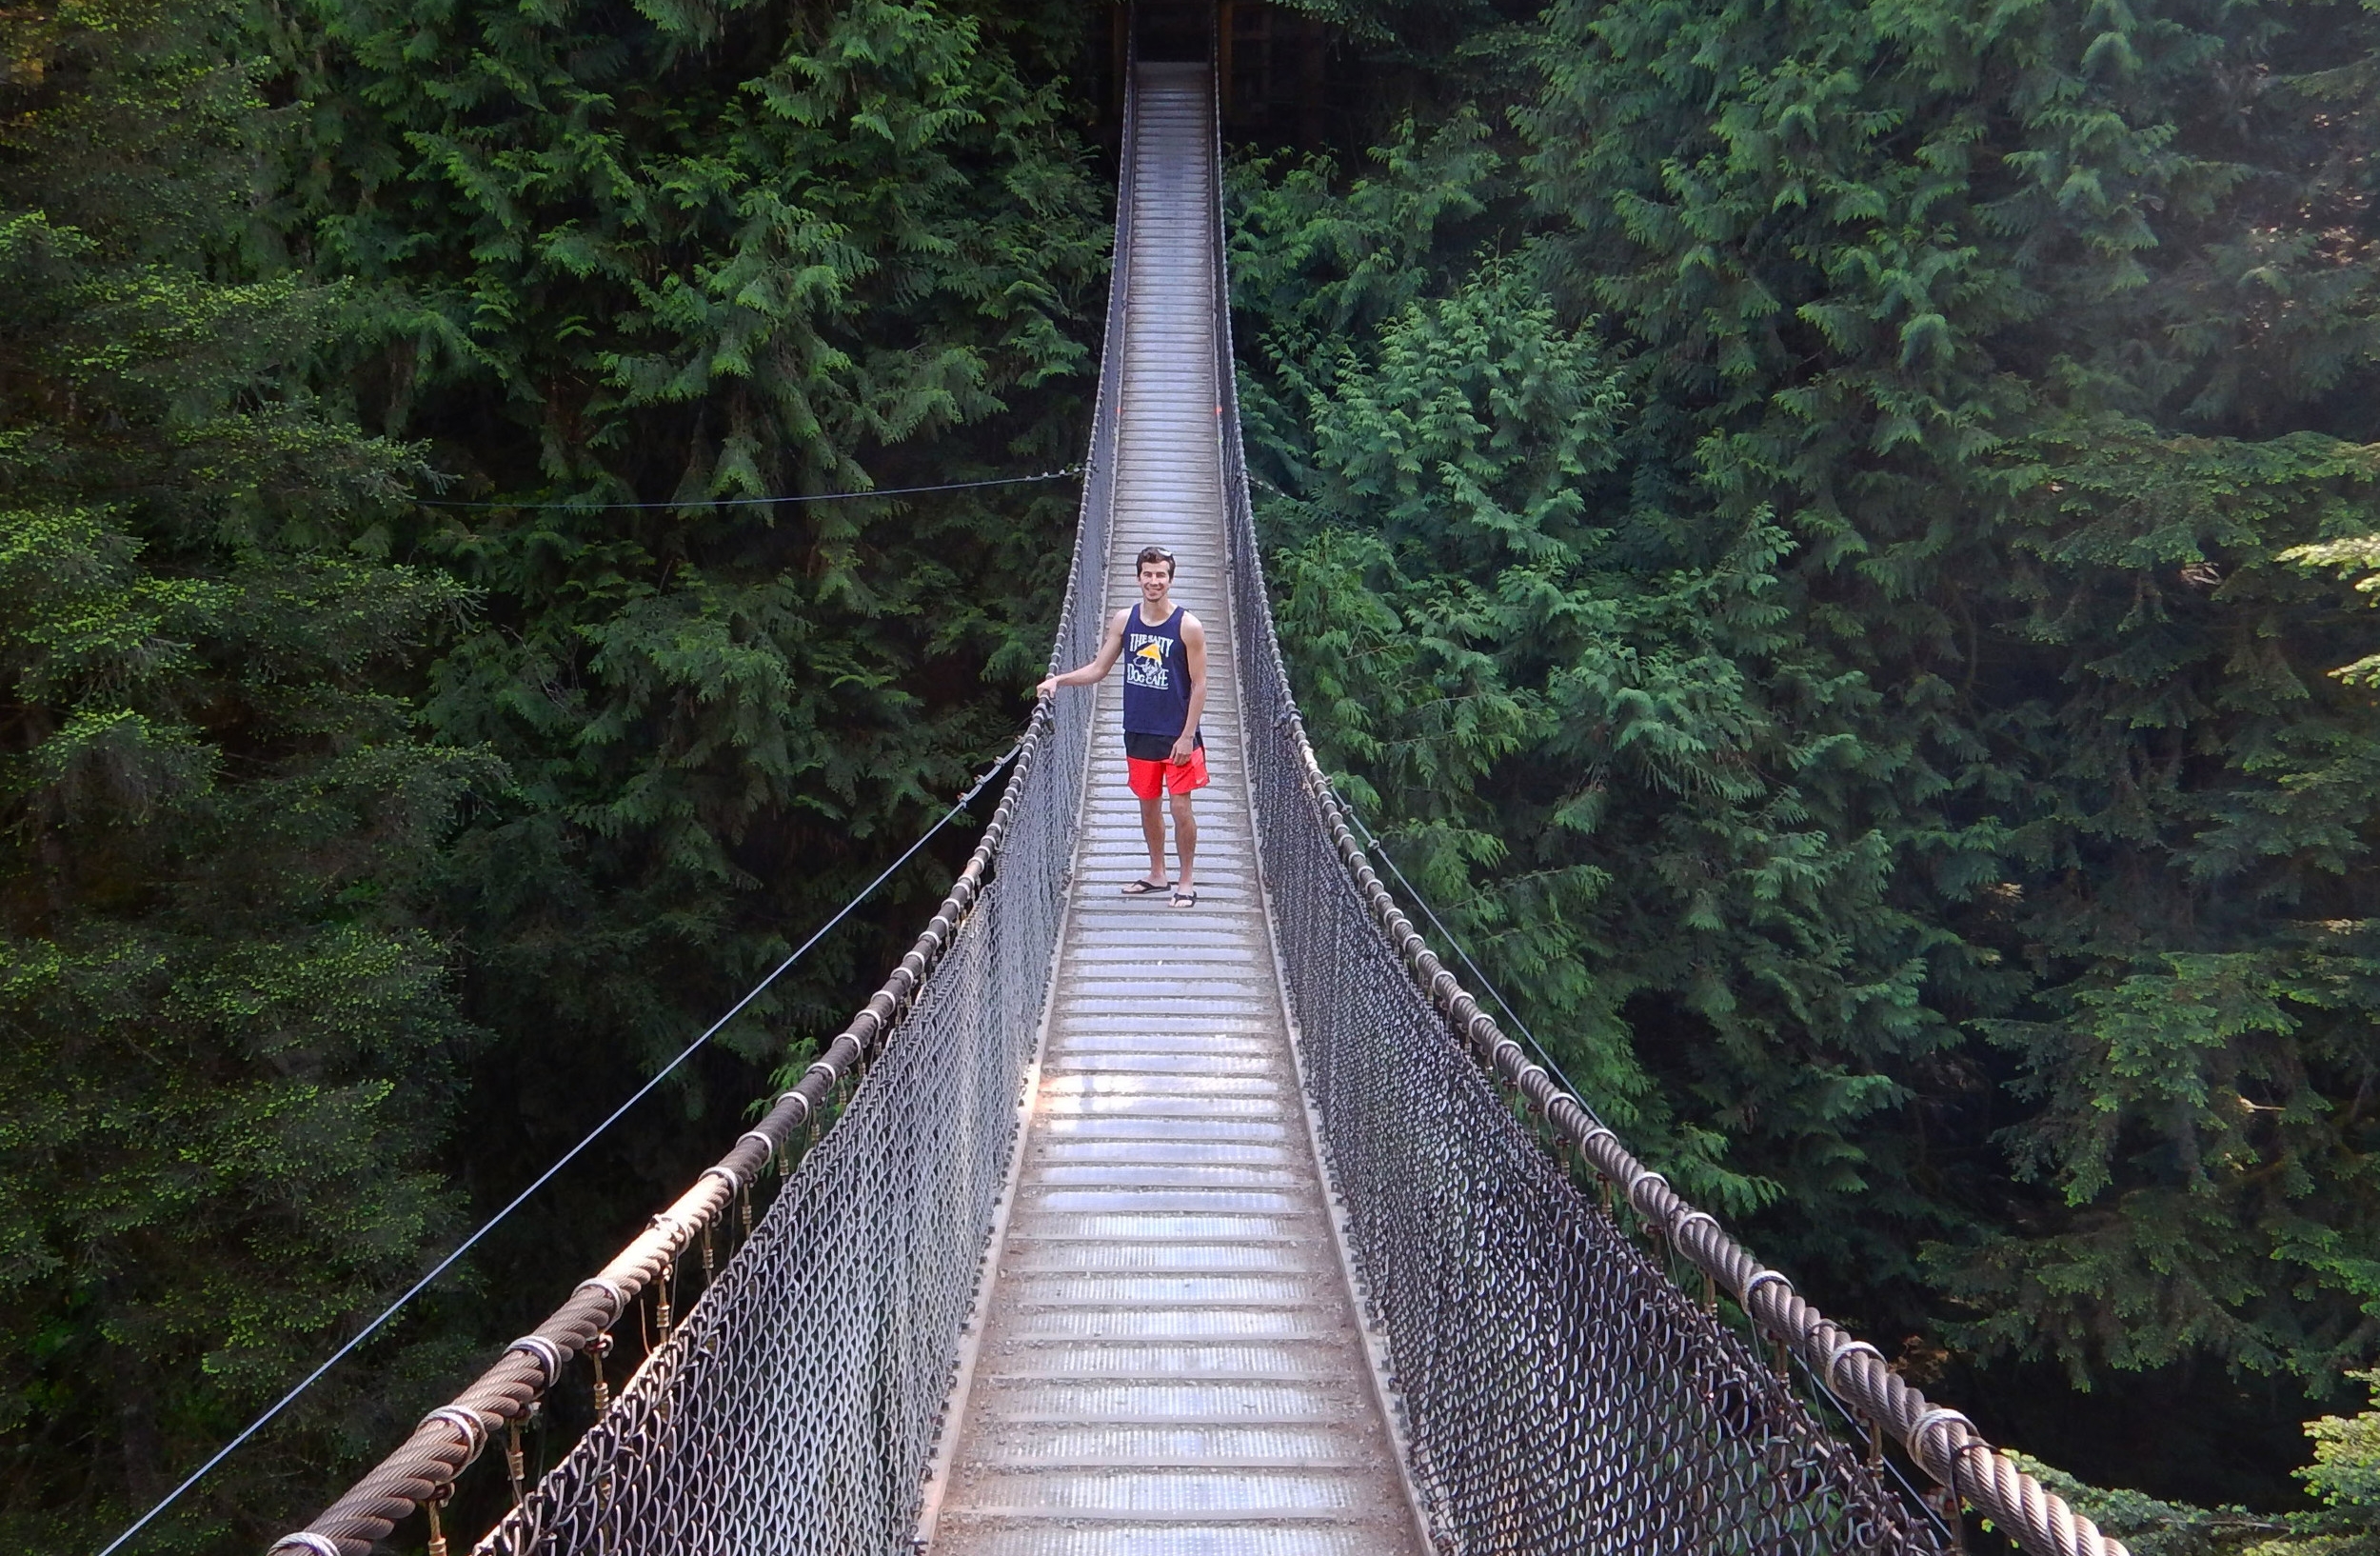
x,y
1833,540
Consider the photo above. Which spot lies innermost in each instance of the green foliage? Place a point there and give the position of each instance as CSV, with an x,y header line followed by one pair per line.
x,y
1855,653
2356,553
229,1042
2345,1478
580,256
612,253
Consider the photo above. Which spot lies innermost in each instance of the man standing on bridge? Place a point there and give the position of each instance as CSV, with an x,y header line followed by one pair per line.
x,y
1164,652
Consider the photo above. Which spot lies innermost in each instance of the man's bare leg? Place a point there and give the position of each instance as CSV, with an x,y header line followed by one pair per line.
x,y
1153,832
1185,839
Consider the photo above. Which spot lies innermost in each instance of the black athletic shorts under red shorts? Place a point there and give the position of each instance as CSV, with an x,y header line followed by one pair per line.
x,y
1149,761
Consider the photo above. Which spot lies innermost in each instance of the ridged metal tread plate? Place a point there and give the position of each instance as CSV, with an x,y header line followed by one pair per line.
x,y
1170,1364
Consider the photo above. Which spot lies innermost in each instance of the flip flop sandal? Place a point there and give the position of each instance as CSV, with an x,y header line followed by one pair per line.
x,y
1147,888
1186,899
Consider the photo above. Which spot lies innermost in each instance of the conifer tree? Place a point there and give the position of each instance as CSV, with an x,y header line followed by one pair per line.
x,y
1919,799
688,257
226,1039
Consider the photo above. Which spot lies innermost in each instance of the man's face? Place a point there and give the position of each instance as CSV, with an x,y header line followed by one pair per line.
x,y
1156,578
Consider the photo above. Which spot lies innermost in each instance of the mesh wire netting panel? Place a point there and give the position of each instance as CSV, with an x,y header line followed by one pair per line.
x,y
1559,1391
795,1409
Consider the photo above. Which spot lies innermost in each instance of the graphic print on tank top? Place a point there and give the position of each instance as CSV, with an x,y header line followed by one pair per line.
x,y
1157,676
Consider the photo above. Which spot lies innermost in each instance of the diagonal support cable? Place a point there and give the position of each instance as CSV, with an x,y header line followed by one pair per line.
x,y
455,1255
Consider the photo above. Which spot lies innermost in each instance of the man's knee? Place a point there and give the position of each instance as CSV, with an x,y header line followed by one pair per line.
x,y
1182,807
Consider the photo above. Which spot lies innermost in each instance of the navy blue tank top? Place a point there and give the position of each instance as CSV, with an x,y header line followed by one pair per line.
x,y
1157,676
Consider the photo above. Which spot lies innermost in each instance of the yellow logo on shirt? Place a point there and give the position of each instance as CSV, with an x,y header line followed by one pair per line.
x,y
1146,667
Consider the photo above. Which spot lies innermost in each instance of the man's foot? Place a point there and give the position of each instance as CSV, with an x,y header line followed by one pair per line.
x,y
1186,899
1146,889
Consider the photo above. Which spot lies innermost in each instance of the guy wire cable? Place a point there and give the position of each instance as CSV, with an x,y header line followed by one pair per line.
x,y
1908,1490
982,781
1427,911
600,505
1380,852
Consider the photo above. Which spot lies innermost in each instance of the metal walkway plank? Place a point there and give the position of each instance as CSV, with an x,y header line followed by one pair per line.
x,y
1170,1363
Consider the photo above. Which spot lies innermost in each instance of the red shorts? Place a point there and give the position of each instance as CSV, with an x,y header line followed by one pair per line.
x,y
1150,779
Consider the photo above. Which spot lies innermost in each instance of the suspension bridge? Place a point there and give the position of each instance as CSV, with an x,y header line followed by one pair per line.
x,y
1237,1231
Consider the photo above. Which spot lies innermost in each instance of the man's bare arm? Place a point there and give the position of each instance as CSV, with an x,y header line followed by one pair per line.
x,y
1193,655
1094,670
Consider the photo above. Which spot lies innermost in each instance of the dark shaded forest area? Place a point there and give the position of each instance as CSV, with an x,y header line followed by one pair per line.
x,y
1832,540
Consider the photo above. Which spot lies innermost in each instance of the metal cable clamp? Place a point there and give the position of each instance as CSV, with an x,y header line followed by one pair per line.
x,y
609,1287
1759,1278
1841,1349
548,1355
1943,1416
466,1421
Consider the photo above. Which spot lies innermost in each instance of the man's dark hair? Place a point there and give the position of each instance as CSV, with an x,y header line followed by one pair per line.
x,y
1155,553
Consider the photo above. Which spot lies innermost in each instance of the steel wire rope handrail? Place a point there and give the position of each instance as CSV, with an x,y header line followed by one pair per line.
x,y
1453,941
444,1445
423,1470
1941,1441
456,1253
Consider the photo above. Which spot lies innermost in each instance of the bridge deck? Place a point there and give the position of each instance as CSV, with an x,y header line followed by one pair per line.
x,y
1170,1361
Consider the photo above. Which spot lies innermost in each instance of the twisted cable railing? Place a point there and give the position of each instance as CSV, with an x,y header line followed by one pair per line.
x,y
1558,1389
1042,799
1297,808
450,1438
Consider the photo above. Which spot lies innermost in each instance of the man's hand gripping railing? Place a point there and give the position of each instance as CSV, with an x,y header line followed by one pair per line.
x,y
1941,1442
423,1470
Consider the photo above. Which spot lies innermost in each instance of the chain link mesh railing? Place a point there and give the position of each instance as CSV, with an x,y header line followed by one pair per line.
x,y
795,1410
794,1407
1560,1391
